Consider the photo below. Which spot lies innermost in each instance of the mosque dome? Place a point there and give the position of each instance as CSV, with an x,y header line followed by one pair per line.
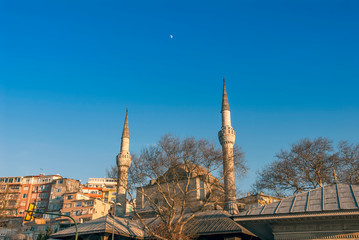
x,y
184,171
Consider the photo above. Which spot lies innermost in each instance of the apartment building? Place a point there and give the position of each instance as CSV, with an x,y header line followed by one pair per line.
x,y
16,193
83,208
36,189
94,192
10,193
60,187
102,182
109,194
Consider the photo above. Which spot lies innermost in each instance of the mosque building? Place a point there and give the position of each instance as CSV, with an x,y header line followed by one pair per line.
x,y
330,212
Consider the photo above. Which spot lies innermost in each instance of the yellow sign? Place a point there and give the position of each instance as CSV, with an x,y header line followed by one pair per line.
x,y
30,213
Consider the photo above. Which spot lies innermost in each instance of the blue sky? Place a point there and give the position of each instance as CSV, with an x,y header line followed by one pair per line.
x,y
68,69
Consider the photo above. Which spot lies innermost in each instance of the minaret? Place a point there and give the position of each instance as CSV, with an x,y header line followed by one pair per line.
x,y
227,137
123,163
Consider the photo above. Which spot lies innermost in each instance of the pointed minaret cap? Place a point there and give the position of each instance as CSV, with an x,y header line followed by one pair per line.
x,y
225,105
125,133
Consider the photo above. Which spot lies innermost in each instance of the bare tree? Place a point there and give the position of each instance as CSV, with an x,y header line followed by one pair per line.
x,y
307,165
4,203
175,180
347,168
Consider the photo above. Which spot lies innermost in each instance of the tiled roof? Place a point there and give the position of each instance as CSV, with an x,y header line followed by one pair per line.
x,y
330,198
122,226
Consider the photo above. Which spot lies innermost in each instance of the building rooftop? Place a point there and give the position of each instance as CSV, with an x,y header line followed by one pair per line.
x,y
214,222
122,226
328,198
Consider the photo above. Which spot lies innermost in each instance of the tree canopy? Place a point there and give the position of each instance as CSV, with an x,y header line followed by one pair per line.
x,y
309,164
163,176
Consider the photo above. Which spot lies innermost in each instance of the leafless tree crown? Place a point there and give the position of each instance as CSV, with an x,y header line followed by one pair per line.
x,y
307,165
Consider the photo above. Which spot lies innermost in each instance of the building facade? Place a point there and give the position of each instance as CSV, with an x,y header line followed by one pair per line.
x,y
59,188
10,195
83,208
36,189
46,191
102,182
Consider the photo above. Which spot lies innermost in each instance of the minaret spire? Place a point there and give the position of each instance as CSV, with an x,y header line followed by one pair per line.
x,y
123,164
227,137
225,105
125,133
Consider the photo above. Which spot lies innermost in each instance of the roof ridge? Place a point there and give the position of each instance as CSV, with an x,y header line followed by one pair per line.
x,y
353,195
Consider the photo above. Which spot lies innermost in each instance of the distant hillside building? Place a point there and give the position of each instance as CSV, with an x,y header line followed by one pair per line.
x,y
46,191
101,182
94,192
83,208
59,188
36,189
10,195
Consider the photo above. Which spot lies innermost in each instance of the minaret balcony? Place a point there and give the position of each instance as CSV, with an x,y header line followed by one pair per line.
x,y
226,136
124,159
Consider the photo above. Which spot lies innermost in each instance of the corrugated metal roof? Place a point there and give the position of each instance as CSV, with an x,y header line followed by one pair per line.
x,y
332,197
205,223
122,226
214,222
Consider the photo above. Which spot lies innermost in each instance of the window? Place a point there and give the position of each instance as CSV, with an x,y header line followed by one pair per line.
x,y
44,188
69,197
59,181
68,205
26,188
78,204
22,204
43,195
41,204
